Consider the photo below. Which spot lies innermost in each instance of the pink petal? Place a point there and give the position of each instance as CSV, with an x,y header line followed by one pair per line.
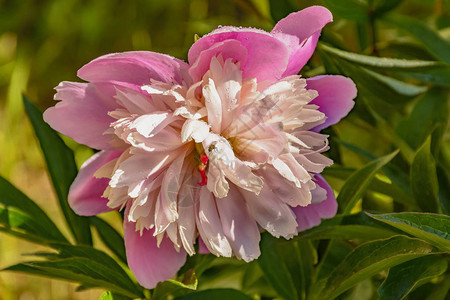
x,y
239,227
335,100
271,214
202,249
267,56
85,195
81,115
149,263
227,49
306,25
134,68
312,214
209,226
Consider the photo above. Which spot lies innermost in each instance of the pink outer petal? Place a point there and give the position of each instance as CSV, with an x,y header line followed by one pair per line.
x,y
312,214
135,68
267,56
306,26
202,249
81,115
335,100
227,49
149,263
86,191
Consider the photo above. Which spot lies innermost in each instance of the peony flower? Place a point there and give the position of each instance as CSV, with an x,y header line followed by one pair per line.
x,y
207,153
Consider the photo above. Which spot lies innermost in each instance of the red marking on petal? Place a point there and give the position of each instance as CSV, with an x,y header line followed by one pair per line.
x,y
202,169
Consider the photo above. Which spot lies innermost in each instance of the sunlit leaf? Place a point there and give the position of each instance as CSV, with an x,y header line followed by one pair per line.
x,y
384,63
80,270
110,237
112,296
33,220
356,185
432,228
174,288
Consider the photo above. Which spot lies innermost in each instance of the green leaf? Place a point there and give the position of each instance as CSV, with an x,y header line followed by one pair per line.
x,y
346,232
356,185
403,278
275,268
34,219
62,169
424,183
429,113
349,9
439,77
382,63
174,288
379,186
430,39
112,296
112,239
367,260
386,89
432,228
398,177
216,294
82,270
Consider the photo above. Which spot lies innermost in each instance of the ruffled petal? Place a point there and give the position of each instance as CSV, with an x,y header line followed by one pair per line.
x,y
239,227
149,262
312,214
209,225
135,69
271,214
335,100
300,32
85,194
267,56
81,115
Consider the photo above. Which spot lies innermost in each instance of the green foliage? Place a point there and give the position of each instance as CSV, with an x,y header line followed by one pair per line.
x,y
358,182
62,169
391,233
406,276
432,228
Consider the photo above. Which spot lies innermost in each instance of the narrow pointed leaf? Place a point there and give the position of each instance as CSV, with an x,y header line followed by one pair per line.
x,y
432,228
112,296
384,63
62,168
35,220
356,185
424,183
82,270
112,239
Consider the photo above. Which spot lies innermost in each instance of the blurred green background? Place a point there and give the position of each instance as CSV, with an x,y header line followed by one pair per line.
x,y
43,42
